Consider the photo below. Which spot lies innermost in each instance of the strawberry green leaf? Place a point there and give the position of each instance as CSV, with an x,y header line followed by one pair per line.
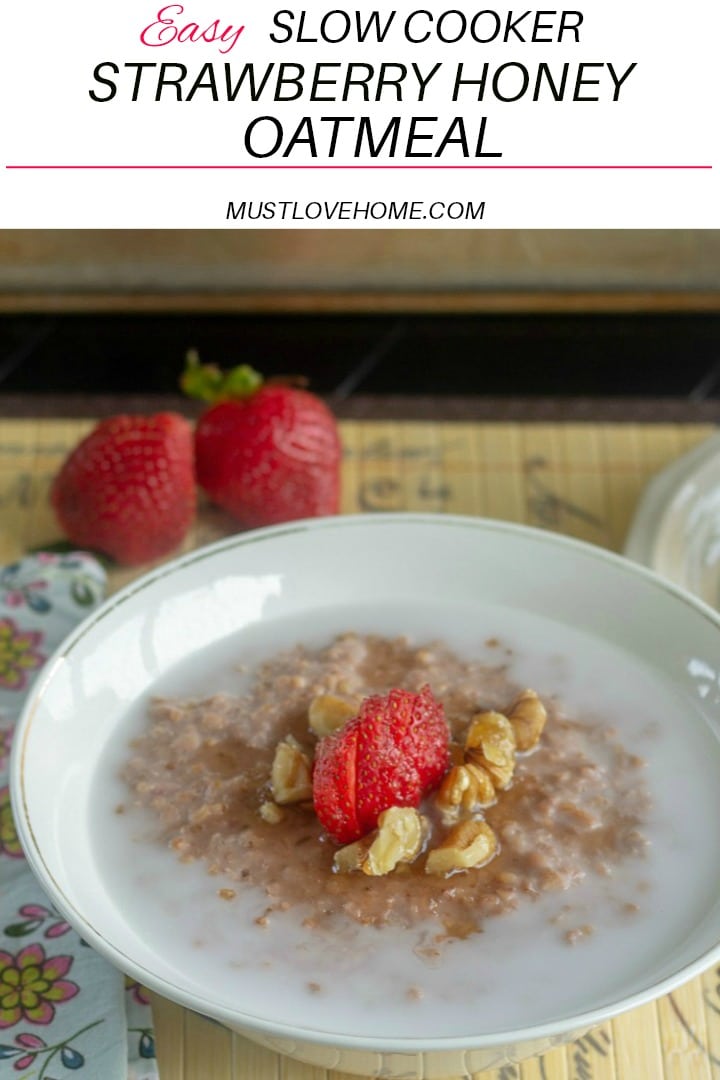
x,y
209,383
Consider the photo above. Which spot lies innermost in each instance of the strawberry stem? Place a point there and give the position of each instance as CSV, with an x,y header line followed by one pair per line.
x,y
209,383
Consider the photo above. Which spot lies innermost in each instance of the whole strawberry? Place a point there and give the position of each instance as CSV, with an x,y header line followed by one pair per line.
x,y
392,754
128,489
266,453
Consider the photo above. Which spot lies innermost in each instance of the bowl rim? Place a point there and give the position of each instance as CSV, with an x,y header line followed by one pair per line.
x,y
261,1025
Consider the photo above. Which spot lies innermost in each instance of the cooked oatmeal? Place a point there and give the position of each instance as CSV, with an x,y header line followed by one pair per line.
x,y
576,804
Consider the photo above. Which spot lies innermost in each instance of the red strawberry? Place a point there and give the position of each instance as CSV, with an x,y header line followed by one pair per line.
x,y
128,488
265,453
391,754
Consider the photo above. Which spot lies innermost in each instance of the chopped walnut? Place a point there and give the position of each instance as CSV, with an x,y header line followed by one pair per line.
x,y
527,716
352,856
490,742
291,778
272,813
328,713
399,838
468,844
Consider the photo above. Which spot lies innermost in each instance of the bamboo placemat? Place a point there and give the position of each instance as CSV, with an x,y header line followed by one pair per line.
x,y
583,480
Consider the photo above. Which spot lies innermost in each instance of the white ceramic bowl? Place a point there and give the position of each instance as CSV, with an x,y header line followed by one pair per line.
x,y
607,635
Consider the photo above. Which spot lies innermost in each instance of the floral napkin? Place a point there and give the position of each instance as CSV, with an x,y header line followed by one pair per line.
x,y
64,1011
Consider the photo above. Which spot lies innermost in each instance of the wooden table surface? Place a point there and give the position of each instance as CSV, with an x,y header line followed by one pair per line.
x,y
579,478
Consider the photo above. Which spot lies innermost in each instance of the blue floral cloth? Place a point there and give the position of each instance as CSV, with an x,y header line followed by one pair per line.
x,y
64,1011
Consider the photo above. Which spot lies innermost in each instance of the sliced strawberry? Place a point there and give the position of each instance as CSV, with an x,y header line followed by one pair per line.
x,y
391,754
334,779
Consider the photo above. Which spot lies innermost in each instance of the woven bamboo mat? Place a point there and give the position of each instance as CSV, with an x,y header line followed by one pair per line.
x,y
583,480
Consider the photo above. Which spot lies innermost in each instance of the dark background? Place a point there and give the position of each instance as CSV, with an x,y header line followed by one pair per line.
x,y
646,355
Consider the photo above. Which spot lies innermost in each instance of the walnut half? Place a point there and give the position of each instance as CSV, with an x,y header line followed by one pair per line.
x,y
328,713
399,838
468,844
466,787
527,716
490,742
291,776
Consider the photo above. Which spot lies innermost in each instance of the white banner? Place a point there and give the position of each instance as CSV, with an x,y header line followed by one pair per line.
x,y
223,114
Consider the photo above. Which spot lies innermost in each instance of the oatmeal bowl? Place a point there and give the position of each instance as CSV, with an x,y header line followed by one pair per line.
x,y
355,786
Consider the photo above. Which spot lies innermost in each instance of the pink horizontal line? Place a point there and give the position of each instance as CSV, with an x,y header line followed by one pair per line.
x,y
358,166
